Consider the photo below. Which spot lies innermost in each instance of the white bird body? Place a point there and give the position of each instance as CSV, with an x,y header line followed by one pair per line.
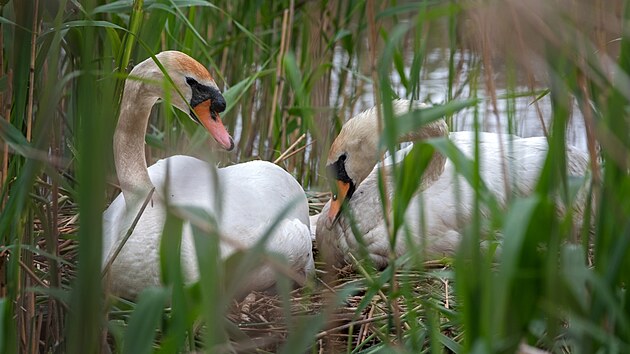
x,y
437,215
244,198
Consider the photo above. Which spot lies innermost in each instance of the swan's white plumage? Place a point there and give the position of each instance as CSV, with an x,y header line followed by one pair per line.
x,y
252,195
446,205
245,198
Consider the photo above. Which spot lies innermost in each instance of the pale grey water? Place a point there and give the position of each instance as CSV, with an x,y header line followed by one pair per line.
x,y
434,89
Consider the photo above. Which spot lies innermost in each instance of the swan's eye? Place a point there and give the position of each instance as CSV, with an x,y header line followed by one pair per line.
x,y
334,197
191,82
343,157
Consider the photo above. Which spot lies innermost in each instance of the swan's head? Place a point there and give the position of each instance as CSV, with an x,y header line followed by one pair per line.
x,y
351,158
195,92
355,152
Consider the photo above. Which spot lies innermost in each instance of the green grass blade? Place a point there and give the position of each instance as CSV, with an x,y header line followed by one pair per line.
x,y
144,321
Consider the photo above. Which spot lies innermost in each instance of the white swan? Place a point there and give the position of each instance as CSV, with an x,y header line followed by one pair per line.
x,y
251,194
447,198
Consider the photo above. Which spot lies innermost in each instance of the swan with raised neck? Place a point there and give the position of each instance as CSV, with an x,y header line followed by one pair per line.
x,y
355,152
190,88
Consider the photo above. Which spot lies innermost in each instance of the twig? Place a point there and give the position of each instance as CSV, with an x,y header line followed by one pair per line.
x,y
363,330
394,304
300,150
323,334
539,113
32,274
326,285
283,156
446,294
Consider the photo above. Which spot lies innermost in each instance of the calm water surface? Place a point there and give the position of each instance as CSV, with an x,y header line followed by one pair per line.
x,y
526,120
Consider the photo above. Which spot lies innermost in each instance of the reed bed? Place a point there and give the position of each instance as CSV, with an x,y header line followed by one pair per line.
x,y
292,72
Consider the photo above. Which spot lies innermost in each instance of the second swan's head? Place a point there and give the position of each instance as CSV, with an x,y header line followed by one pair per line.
x,y
354,153
195,91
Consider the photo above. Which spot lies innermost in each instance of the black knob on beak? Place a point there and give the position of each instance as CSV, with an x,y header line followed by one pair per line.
x,y
218,103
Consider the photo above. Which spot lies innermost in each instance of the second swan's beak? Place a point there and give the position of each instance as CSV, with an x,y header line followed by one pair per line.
x,y
212,122
336,203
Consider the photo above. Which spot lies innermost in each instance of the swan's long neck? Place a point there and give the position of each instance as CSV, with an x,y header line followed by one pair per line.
x,y
129,155
366,160
436,165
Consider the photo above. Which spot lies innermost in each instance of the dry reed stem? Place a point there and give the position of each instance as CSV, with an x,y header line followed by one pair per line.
x,y
31,75
530,76
283,156
589,126
386,204
372,40
279,80
615,148
539,113
302,148
287,42
363,331
26,300
32,274
446,294
224,55
486,57
5,155
38,333
323,334
54,319
54,244
6,108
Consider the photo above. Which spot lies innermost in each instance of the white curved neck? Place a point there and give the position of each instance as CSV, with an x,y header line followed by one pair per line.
x,y
436,166
434,169
129,155
370,145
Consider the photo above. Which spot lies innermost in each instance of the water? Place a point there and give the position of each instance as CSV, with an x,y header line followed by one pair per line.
x,y
526,121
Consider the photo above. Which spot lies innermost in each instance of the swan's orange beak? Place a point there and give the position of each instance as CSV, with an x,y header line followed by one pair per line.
x,y
212,122
336,203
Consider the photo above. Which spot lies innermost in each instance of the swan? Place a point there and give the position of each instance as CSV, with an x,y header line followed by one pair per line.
x,y
244,198
447,198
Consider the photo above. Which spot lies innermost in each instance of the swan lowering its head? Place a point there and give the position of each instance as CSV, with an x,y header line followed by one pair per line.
x,y
245,199
437,215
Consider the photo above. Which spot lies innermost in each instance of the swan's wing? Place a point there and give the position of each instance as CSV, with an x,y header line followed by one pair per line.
x,y
292,239
191,181
257,191
289,239
112,219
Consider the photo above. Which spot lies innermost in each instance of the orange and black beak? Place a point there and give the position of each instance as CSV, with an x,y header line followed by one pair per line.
x,y
207,102
342,189
339,196
211,120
